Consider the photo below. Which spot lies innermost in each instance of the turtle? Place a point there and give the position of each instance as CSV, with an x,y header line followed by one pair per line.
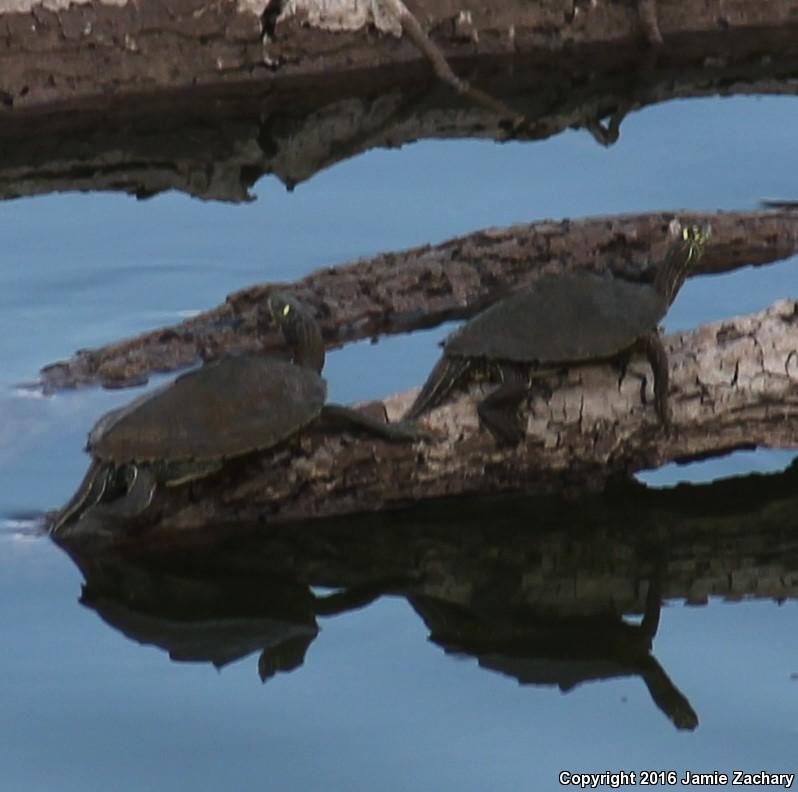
x,y
556,322
227,408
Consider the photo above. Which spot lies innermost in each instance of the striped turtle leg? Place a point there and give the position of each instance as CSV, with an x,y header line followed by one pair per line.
x,y
448,371
89,493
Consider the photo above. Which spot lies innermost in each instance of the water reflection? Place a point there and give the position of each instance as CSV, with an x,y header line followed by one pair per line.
x,y
539,590
562,651
215,145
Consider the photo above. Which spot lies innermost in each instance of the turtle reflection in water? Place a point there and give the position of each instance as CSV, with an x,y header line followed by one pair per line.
x,y
557,322
228,408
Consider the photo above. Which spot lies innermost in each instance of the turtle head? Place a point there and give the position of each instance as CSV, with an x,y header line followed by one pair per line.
x,y
694,238
299,329
683,254
281,305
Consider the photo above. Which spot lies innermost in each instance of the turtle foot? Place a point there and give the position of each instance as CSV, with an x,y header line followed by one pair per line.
x,y
499,413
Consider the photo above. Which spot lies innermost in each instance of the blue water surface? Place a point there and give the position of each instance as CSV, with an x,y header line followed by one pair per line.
x,y
375,705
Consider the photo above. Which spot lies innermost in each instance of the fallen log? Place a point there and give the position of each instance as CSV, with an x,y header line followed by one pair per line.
x,y
59,51
425,286
734,385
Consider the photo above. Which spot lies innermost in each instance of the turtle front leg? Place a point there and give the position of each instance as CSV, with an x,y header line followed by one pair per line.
x,y
445,375
651,345
668,698
498,412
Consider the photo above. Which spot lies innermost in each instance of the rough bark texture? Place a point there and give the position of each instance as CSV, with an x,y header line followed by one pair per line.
x,y
422,287
58,51
185,95
734,385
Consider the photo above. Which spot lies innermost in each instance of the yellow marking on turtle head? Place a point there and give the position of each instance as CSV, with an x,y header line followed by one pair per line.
x,y
695,237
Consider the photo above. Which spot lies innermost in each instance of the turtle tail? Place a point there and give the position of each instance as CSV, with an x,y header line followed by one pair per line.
x,y
443,377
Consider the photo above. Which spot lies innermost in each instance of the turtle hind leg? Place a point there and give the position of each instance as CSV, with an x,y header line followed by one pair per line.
x,y
444,376
88,494
651,345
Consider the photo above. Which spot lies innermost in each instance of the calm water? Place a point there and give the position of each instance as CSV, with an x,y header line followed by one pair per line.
x,y
375,705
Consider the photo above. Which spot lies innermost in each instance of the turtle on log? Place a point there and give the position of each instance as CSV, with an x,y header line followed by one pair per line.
x,y
557,322
228,408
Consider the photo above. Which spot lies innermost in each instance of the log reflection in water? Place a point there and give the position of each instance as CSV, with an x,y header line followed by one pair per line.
x,y
534,588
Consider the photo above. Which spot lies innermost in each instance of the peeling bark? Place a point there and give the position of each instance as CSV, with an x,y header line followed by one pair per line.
x,y
422,287
734,384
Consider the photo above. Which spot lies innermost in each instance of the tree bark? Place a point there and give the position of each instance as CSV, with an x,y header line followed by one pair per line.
x,y
206,98
60,51
425,286
734,385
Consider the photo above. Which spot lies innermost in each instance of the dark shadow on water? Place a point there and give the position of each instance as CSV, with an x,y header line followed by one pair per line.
x,y
537,589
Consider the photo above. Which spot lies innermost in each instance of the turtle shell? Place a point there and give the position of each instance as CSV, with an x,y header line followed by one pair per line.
x,y
568,318
224,409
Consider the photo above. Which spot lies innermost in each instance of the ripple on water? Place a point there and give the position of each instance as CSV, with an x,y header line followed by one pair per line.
x,y
22,527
